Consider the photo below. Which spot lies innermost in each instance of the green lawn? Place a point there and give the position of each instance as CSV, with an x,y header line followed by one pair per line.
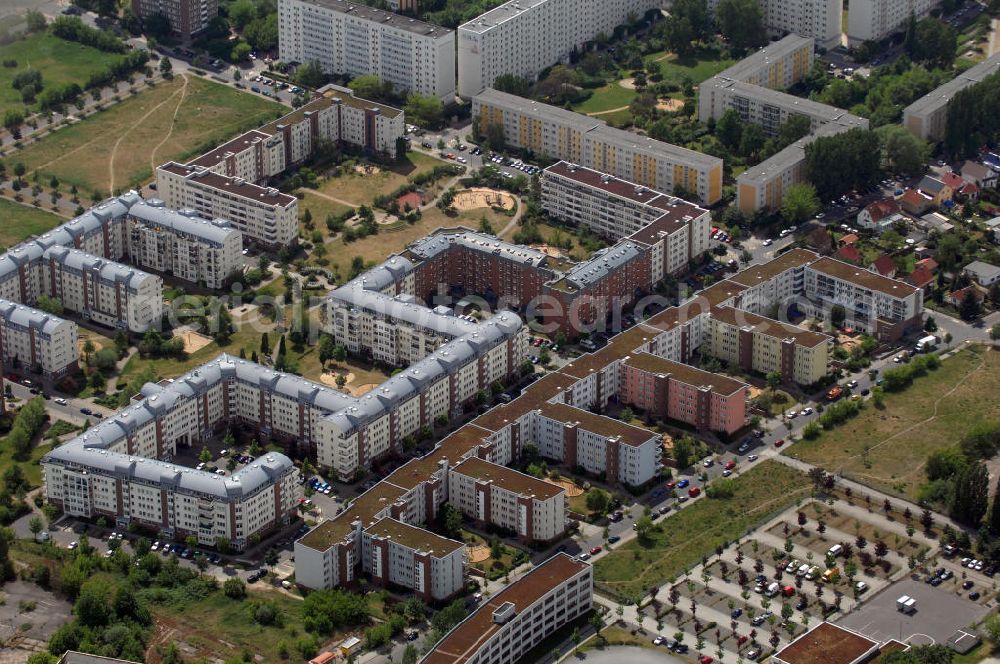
x,y
611,96
887,448
59,61
359,188
697,70
681,540
118,148
22,221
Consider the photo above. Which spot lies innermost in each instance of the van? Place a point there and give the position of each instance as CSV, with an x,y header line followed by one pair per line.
x,y
772,590
835,550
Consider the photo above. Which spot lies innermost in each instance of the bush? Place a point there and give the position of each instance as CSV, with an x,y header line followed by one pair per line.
x,y
234,588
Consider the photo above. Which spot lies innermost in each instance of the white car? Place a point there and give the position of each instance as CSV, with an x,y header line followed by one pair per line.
x,y
852,384
155,547
708,462
860,587
792,414
768,242
72,545
60,401
807,410
584,556
752,457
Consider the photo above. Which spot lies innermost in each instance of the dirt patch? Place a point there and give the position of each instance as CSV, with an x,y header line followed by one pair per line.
x,y
471,199
367,169
670,105
361,390
193,341
478,553
82,340
572,490
627,83
848,343
548,250
331,378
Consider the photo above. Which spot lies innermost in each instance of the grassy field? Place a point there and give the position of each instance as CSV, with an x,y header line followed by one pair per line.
x,y
378,247
887,448
119,147
696,70
22,221
611,96
359,189
59,61
576,252
681,540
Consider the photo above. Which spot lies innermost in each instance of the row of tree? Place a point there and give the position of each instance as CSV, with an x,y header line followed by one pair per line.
x,y
690,21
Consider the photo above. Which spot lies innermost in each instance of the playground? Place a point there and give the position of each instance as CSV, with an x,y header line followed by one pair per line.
x,y
471,199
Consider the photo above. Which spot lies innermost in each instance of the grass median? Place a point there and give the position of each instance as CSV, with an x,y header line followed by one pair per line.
x,y
681,540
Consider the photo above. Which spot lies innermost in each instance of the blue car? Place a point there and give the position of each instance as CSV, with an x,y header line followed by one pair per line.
x,y
683,484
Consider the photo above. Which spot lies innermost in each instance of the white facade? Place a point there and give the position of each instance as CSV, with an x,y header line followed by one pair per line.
x,y
263,214
524,37
354,39
37,340
188,247
873,20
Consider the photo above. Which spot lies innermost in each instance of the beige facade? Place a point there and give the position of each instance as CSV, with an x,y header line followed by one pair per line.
x,y
927,117
874,20
37,341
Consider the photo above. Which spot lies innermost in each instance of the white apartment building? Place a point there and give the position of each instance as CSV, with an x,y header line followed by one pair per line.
x,y
600,445
927,117
182,244
394,553
352,39
262,214
37,340
675,230
492,494
507,625
589,142
874,20
819,20
524,37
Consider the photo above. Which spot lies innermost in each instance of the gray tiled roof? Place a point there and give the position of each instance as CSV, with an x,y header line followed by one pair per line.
x,y
27,317
432,245
187,222
355,296
109,271
603,263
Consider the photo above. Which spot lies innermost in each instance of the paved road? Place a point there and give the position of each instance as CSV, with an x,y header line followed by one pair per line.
x,y
630,654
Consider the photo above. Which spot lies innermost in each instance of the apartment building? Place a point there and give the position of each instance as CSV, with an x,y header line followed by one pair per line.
x,y
524,37
667,389
187,17
675,230
352,39
400,555
874,20
589,142
603,446
763,345
777,66
263,215
885,308
507,625
39,341
819,20
182,244
927,117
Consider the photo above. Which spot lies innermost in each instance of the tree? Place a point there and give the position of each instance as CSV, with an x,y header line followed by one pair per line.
x,y
205,456
50,305
931,41
597,500
774,381
410,654
800,203
35,525
234,588
684,449
309,75
371,87
970,498
840,163
240,52
423,110
13,119
166,66
970,307
643,527
902,150
679,35
265,344
742,22
729,129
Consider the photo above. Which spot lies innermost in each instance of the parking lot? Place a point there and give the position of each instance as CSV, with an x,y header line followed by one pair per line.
x,y
940,611
27,604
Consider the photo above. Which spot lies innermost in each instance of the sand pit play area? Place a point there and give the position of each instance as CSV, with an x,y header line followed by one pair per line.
x,y
478,553
572,490
471,199
193,341
367,169
670,105
354,390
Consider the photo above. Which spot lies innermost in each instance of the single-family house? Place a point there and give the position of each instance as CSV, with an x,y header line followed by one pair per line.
x,y
935,221
915,202
980,174
955,298
969,191
921,277
935,189
879,215
849,254
993,226
982,273
885,266
849,239
928,264
952,179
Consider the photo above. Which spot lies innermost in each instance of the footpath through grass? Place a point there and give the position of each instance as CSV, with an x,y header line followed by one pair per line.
x,y
681,540
60,62
18,222
887,448
118,148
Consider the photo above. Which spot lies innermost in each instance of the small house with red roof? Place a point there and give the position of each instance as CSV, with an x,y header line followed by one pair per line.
x,y
969,191
914,202
955,298
849,254
879,215
885,266
921,277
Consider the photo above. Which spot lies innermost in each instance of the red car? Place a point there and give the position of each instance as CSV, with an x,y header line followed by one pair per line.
x,y
671,484
705,659
730,464
743,639
596,550
694,492
779,442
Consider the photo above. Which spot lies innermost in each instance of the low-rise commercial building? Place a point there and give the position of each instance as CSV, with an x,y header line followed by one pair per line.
x,y
829,643
667,389
525,37
580,139
510,623
41,342
352,39
927,117
182,244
